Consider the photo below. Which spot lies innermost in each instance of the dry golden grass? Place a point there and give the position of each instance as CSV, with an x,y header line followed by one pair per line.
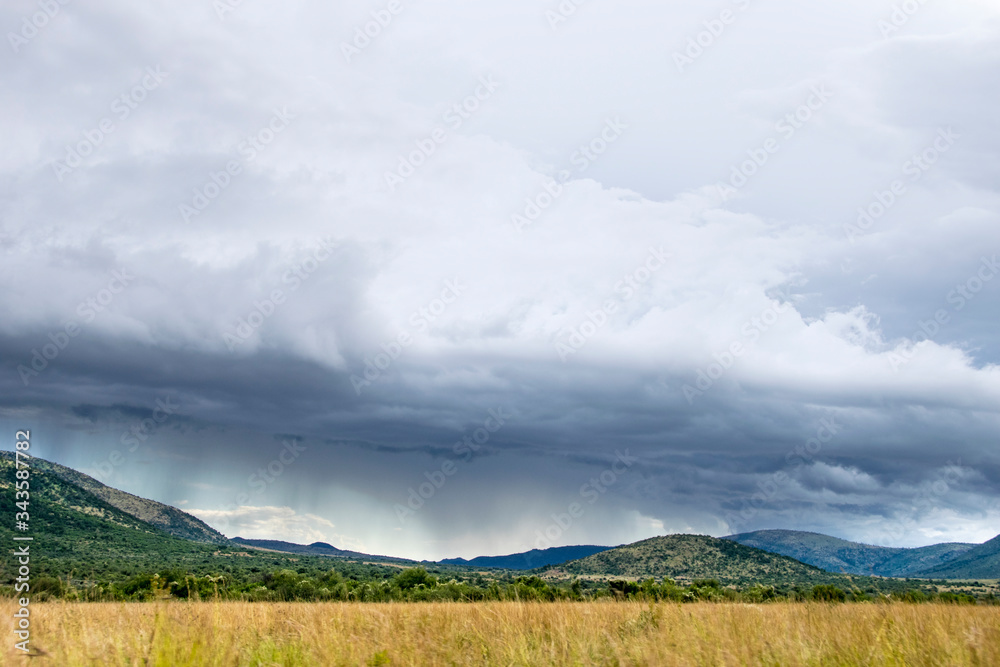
x,y
175,634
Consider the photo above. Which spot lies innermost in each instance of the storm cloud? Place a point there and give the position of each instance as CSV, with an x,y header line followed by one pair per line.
x,y
466,257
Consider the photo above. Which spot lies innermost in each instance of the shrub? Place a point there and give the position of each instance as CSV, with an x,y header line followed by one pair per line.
x,y
622,588
758,593
828,593
914,596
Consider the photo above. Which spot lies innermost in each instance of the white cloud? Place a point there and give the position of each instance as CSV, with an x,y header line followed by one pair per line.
x,y
267,522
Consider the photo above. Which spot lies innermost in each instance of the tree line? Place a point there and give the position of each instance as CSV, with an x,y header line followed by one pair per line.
x,y
416,584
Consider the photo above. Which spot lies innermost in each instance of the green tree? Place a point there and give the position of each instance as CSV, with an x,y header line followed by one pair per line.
x,y
413,577
828,593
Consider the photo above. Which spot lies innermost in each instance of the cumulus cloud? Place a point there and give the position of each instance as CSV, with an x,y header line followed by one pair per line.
x,y
265,522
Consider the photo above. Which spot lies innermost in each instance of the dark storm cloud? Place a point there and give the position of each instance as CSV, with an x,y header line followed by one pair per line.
x,y
231,245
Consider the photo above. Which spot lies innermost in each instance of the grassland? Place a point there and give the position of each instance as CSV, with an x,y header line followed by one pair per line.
x,y
176,634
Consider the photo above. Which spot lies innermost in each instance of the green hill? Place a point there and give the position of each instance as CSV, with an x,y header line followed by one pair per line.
x,y
836,555
78,536
76,531
688,557
168,519
981,562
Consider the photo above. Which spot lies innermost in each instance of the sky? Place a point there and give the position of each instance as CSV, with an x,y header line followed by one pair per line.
x,y
437,279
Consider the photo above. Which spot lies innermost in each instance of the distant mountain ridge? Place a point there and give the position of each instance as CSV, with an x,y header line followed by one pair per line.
x,y
980,562
314,549
81,518
529,560
836,555
318,548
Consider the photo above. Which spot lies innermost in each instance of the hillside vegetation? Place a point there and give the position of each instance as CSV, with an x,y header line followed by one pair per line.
x,y
836,555
168,519
689,557
981,562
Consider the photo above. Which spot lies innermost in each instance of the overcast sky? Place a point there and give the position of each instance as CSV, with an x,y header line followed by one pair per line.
x,y
440,278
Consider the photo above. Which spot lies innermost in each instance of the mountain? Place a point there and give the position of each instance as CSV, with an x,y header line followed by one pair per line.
x,y
168,519
687,557
981,562
93,531
84,541
529,560
836,555
75,530
316,548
